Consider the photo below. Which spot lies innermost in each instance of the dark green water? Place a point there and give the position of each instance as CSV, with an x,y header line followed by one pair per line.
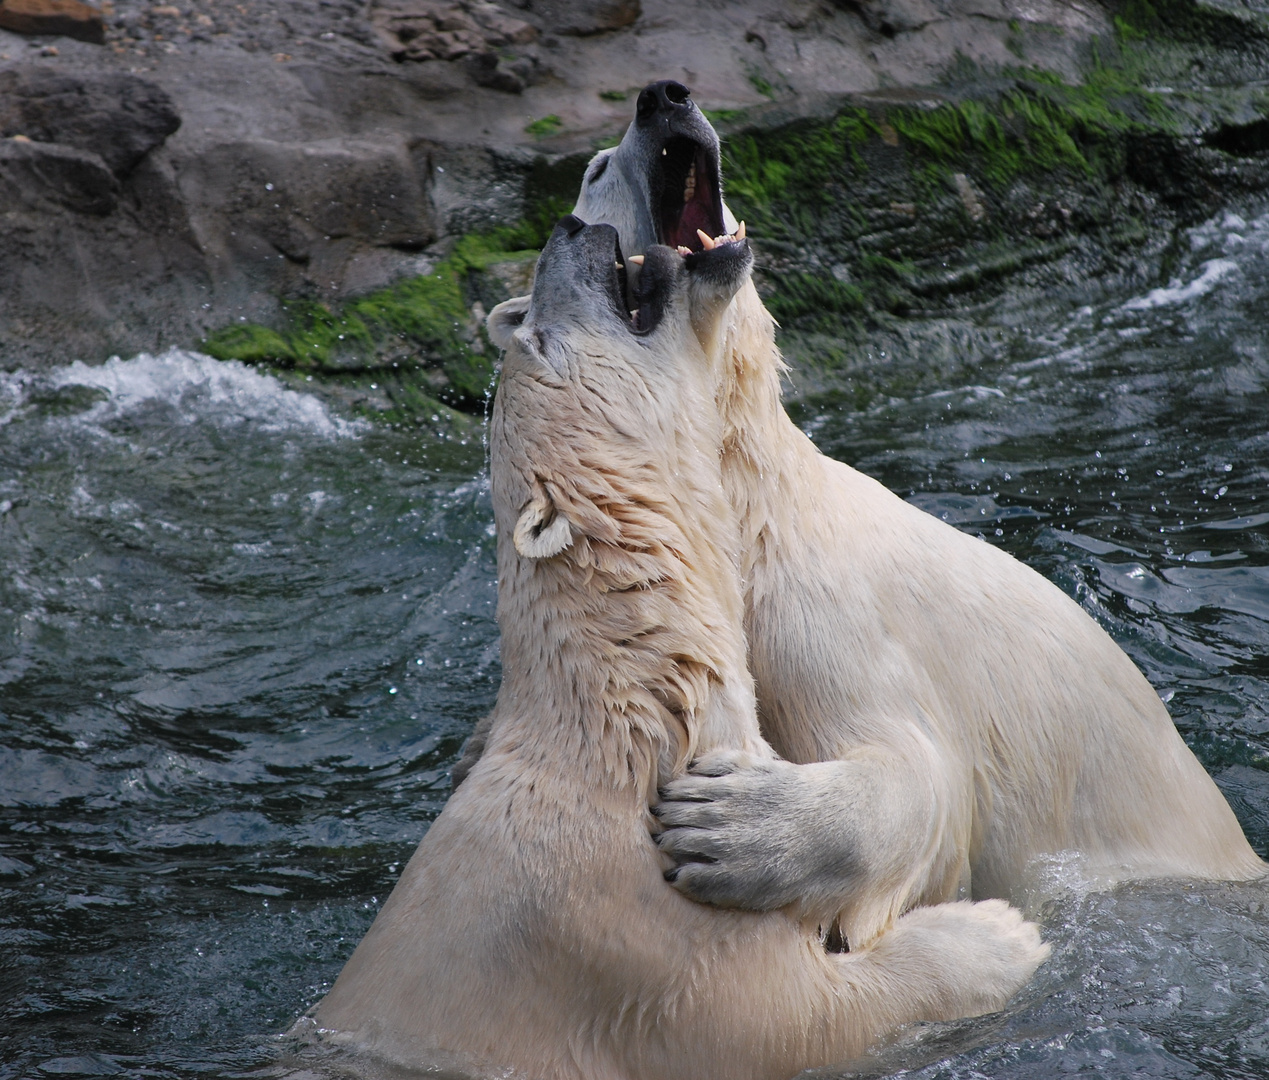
x,y
242,638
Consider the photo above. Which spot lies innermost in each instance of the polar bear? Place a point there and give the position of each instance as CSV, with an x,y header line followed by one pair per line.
x,y
944,714
532,933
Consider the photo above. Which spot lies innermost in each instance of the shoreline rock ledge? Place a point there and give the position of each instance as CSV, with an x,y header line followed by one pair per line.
x,y
210,162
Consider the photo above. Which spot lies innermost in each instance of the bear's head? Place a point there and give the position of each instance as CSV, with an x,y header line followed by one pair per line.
x,y
617,548
662,182
662,185
596,400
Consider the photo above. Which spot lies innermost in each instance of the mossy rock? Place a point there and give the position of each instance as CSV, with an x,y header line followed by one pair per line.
x,y
995,188
427,330
879,228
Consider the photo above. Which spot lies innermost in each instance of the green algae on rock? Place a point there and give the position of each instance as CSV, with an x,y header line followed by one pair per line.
x,y
424,335
902,224
900,235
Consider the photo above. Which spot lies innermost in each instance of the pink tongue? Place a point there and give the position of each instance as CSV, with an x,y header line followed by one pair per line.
x,y
695,216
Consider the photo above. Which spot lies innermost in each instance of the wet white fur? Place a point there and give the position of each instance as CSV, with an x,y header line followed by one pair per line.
x,y
946,714
532,934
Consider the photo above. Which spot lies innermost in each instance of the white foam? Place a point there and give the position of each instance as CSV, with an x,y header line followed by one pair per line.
x,y
202,388
13,390
1214,272
1231,232
1061,873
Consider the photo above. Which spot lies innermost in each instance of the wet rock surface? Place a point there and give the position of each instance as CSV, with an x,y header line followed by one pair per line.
x,y
49,177
119,117
214,163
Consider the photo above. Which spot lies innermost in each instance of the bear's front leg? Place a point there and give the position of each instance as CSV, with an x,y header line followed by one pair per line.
x,y
855,841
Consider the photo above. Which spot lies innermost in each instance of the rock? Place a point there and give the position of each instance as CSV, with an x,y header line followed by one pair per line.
x,y
120,118
499,73
447,29
455,29
892,17
581,18
969,197
477,188
67,17
47,176
301,200
386,125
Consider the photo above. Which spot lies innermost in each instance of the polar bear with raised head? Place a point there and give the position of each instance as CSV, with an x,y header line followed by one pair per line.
x,y
533,934
946,715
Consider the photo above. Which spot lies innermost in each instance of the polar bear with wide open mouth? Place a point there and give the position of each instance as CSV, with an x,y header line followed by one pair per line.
x,y
533,932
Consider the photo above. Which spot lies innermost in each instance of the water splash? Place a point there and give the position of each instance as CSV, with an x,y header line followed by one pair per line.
x,y
198,387
1214,272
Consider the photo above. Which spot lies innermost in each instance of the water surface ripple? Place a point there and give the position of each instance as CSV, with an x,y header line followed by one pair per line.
x,y
243,637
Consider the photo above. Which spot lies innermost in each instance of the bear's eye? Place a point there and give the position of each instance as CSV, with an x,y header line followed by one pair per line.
x,y
600,168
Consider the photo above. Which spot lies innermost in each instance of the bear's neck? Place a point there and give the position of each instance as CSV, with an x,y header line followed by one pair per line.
x,y
755,425
764,461
625,658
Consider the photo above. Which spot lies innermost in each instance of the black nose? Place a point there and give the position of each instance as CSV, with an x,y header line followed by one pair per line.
x,y
571,224
666,96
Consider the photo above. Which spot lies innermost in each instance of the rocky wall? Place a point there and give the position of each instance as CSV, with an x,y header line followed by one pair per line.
x,y
216,164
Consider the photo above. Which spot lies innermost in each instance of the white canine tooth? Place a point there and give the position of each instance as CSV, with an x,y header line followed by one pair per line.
x,y
740,231
636,259
707,241
618,266
663,151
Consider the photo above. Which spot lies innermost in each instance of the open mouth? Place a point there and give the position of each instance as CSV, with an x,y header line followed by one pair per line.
x,y
648,296
686,193
649,293
617,283
720,260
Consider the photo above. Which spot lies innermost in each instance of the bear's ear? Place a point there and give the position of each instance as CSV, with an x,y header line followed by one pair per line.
x,y
598,166
504,320
541,531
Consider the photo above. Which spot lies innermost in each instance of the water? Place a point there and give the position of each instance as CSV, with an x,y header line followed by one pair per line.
x,y
244,637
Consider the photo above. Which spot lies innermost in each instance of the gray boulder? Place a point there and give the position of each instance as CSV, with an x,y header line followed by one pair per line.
x,y
297,199
49,177
118,117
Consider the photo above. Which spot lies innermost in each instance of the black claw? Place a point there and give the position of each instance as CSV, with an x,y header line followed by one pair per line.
x,y
672,875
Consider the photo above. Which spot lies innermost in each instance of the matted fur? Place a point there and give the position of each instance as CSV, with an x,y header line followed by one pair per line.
x,y
952,715
967,716
532,933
